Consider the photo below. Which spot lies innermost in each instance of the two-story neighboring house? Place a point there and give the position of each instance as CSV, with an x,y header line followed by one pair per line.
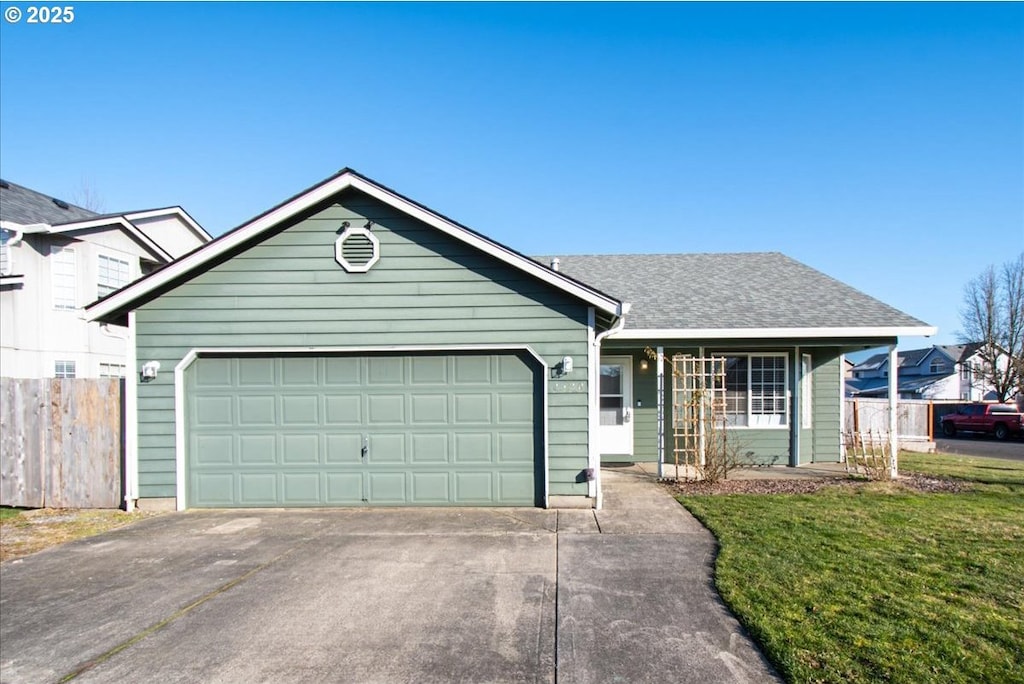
x,y
55,258
937,372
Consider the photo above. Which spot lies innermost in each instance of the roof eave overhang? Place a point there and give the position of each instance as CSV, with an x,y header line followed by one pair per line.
x,y
773,333
114,222
128,298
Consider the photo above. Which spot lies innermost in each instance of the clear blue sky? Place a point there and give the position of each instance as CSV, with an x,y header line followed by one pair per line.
x,y
880,143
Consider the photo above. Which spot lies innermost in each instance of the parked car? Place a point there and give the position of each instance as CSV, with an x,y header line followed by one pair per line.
x,y
1001,420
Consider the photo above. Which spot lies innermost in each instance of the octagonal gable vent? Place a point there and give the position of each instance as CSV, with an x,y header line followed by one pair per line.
x,y
356,249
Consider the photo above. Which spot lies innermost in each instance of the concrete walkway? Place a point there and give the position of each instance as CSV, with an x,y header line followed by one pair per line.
x,y
636,599
382,595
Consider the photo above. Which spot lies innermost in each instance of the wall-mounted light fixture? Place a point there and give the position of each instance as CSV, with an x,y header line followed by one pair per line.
x,y
643,364
150,369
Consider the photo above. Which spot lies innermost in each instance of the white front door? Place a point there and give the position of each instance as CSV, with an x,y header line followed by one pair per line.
x,y
616,405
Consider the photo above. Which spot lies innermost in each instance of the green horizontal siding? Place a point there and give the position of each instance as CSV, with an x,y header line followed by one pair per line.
x,y
821,443
427,289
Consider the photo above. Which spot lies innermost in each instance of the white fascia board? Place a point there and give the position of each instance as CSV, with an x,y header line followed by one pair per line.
x,y
768,333
316,195
515,260
29,228
121,222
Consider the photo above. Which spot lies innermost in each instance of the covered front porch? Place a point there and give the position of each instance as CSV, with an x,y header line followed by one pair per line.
x,y
780,402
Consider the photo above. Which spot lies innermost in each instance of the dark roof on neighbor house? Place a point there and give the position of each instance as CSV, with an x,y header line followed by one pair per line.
x,y
961,352
746,290
19,204
867,387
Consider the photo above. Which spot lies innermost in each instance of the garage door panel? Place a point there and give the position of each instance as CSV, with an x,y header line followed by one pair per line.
x,y
257,410
300,410
473,487
429,370
214,411
214,489
258,489
473,408
301,489
259,450
344,489
474,447
345,448
256,373
430,488
428,448
213,449
472,370
343,371
430,409
515,448
299,371
386,488
439,429
385,409
300,448
343,410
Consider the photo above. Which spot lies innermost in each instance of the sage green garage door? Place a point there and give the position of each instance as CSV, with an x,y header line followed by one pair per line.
x,y
386,430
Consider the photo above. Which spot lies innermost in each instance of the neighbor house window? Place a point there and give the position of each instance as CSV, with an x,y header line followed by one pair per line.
x,y
111,274
755,390
5,251
938,366
111,370
65,277
63,369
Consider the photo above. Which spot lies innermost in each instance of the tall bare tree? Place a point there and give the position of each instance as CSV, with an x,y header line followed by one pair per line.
x,y
87,197
993,315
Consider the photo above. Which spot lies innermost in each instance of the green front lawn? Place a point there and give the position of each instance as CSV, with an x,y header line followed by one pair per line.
x,y
875,583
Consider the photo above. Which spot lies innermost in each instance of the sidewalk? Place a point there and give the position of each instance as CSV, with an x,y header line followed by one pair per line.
x,y
636,597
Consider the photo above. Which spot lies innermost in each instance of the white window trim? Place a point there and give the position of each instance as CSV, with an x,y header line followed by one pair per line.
x,y
750,395
112,370
806,392
5,247
54,251
99,271
68,364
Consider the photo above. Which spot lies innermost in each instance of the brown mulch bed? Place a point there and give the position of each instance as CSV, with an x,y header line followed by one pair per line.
x,y
911,482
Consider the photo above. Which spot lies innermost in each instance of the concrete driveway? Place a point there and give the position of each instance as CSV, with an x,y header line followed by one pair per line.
x,y
470,595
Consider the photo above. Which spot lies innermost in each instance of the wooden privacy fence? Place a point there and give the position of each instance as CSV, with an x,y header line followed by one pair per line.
x,y
916,419
61,443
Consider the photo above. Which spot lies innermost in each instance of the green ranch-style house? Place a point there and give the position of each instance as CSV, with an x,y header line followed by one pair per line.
x,y
351,347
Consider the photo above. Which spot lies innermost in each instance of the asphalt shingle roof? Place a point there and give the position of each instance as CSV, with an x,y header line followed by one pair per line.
x,y
745,290
25,206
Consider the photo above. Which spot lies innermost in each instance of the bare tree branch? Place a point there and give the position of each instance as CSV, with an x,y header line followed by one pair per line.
x,y
993,317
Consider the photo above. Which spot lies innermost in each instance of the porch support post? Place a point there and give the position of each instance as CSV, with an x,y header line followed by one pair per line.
x,y
893,406
593,416
795,423
661,412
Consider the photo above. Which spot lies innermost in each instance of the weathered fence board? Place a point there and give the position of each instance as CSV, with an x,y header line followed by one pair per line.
x,y
60,443
872,416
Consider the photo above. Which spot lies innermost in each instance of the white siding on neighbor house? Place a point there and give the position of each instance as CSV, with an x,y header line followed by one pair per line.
x,y
170,232
34,334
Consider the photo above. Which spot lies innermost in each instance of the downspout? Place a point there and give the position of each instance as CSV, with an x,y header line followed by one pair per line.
x,y
595,395
131,419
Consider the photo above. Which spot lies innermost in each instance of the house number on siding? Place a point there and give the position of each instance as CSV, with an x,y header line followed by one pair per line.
x,y
560,387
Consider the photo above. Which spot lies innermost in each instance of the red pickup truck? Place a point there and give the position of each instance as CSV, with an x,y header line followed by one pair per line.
x,y
1001,420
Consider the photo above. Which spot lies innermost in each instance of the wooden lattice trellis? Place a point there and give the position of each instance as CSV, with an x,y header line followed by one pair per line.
x,y
698,407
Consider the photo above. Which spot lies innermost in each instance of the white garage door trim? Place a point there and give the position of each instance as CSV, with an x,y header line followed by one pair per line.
x,y
194,353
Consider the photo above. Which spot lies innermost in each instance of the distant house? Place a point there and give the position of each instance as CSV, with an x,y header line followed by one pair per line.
x,y
55,258
937,372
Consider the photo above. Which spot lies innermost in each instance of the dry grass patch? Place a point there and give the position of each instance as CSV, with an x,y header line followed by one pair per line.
x,y
26,531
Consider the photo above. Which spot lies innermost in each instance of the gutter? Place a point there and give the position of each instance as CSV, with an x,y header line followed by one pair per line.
x,y
596,389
